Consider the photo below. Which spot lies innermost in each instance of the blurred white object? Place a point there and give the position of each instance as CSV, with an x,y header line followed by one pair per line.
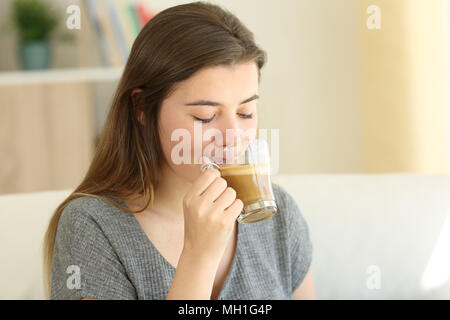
x,y
374,228
258,152
373,235
23,221
437,272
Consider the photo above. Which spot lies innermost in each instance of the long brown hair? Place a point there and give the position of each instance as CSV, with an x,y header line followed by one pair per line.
x,y
172,46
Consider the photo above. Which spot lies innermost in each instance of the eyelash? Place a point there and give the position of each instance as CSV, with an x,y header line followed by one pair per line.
x,y
243,116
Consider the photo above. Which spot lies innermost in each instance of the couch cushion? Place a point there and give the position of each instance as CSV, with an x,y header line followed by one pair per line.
x,y
367,225
23,222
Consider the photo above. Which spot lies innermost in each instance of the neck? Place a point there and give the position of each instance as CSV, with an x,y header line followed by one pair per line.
x,y
168,197
168,200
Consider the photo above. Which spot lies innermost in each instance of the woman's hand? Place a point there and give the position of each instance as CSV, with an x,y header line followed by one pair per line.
x,y
210,212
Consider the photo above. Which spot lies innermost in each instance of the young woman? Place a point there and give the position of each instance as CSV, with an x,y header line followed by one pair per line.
x,y
140,226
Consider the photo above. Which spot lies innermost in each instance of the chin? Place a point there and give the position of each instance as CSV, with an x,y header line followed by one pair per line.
x,y
188,172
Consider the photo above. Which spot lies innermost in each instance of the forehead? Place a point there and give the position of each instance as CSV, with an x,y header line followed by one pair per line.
x,y
220,82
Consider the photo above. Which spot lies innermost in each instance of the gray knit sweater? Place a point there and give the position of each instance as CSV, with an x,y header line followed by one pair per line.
x,y
102,252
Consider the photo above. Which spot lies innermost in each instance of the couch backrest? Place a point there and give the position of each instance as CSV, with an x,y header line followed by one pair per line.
x,y
370,227
23,221
391,222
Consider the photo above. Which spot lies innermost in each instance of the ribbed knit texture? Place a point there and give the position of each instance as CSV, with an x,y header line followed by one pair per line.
x,y
116,259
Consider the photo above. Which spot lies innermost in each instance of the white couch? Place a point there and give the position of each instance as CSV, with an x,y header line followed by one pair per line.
x,y
373,235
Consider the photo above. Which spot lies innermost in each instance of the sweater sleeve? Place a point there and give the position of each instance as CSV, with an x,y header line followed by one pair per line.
x,y
84,262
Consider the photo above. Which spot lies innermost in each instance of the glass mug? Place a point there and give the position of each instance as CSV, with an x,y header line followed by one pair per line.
x,y
249,174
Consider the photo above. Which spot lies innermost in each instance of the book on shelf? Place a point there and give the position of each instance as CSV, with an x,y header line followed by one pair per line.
x,y
116,24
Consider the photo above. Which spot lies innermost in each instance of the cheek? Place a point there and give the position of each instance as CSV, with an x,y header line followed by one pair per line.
x,y
173,126
178,124
250,127
251,124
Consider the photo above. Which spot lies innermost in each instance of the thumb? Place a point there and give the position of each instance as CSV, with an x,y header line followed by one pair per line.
x,y
205,161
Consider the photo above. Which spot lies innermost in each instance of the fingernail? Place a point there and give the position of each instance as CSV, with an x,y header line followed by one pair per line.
x,y
205,160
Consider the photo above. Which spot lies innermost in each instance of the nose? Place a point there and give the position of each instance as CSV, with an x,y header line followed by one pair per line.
x,y
230,130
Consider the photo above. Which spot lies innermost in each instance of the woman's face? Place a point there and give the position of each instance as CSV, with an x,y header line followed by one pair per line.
x,y
214,108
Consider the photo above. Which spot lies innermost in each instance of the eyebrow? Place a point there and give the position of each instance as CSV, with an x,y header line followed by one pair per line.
x,y
216,104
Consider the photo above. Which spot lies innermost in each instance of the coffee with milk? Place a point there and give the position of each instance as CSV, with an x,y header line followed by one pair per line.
x,y
252,183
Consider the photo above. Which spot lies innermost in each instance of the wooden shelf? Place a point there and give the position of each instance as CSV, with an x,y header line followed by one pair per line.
x,y
60,76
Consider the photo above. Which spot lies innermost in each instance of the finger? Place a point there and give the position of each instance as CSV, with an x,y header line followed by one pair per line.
x,y
206,163
204,180
234,210
214,190
226,199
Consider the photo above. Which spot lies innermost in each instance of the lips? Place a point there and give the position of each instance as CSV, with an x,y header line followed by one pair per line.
x,y
231,158
228,154
219,160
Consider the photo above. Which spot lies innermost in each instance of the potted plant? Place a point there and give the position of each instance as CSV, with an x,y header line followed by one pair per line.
x,y
35,22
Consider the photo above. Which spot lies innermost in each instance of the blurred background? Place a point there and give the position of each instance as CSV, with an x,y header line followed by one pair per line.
x,y
352,98
358,89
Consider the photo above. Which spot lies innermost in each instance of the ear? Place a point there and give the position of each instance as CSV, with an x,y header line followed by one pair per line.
x,y
139,111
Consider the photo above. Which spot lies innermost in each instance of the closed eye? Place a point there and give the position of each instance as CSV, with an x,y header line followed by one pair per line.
x,y
204,120
243,116
246,116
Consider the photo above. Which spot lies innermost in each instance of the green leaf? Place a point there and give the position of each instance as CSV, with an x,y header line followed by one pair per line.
x,y
34,19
